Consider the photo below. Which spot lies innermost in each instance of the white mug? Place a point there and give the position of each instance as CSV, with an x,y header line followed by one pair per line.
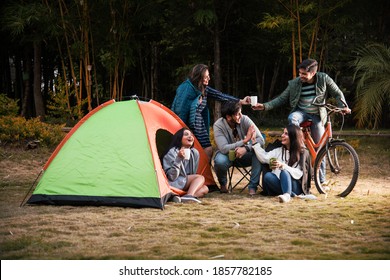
x,y
253,100
187,154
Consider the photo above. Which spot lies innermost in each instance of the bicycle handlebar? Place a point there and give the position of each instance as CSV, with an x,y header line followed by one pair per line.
x,y
332,108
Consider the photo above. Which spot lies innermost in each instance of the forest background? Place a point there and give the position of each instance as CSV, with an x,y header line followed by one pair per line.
x,y
60,59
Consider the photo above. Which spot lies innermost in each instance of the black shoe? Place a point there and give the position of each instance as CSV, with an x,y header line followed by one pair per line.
x,y
213,188
176,199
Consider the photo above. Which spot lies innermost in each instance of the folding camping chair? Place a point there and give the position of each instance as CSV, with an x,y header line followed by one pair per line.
x,y
244,171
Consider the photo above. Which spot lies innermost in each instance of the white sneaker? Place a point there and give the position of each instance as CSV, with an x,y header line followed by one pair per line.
x,y
310,197
307,196
284,197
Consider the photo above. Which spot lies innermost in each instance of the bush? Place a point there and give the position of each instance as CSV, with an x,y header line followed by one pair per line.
x,y
8,106
19,131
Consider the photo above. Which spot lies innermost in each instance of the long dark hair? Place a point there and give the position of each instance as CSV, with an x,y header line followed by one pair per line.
x,y
196,76
296,143
176,139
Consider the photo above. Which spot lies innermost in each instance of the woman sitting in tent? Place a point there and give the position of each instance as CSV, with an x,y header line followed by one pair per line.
x,y
180,164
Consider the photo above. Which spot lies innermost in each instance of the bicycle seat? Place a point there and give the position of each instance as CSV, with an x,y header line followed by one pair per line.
x,y
306,123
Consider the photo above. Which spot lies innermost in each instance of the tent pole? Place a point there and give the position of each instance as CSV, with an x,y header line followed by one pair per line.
x,y
28,192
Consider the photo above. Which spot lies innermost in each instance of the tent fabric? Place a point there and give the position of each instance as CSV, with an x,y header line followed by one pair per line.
x,y
111,157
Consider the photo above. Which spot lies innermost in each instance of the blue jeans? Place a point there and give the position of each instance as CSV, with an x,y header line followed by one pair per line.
x,y
317,130
222,164
286,184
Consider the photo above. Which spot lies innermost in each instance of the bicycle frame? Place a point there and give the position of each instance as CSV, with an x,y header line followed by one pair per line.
x,y
310,144
342,162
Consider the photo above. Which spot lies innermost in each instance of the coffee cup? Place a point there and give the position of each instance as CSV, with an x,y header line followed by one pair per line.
x,y
271,161
232,155
187,154
253,100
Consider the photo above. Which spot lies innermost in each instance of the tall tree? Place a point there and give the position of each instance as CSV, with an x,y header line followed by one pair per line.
x,y
29,23
213,15
305,21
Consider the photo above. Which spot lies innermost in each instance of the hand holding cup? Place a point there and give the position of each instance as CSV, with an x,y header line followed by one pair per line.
x,y
232,155
253,100
273,163
187,154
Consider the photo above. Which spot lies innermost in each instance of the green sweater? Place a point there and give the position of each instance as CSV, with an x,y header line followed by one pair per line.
x,y
324,86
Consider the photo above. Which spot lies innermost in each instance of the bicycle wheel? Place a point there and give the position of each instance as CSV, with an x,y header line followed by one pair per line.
x,y
341,165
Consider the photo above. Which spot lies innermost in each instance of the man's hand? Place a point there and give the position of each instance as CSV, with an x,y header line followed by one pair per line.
x,y
346,111
258,107
249,134
240,152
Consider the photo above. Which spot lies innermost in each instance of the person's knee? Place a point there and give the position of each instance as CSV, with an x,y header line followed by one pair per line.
x,y
268,177
201,179
294,119
285,174
209,152
221,162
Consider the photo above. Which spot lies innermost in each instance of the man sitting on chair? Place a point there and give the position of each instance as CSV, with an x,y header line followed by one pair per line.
x,y
233,131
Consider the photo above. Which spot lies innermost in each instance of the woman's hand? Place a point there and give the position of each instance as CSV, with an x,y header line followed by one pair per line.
x,y
181,153
246,100
276,165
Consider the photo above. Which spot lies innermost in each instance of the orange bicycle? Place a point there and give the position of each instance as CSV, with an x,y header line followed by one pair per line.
x,y
339,159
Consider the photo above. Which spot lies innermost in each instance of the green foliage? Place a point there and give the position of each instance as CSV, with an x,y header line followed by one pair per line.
x,y
272,22
18,130
206,17
8,106
372,70
59,106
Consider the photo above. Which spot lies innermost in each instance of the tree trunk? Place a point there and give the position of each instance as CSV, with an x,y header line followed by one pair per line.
x,y
144,91
38,99
26,85
299,30
217,70
19,82
260,80
294,58
274,78
153,72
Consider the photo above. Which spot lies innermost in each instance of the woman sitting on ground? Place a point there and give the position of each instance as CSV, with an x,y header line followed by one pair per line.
x,y
291,171
181,172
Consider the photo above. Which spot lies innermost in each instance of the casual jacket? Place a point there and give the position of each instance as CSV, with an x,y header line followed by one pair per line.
x,y
187,99
324,86
175,167
299,171
223,135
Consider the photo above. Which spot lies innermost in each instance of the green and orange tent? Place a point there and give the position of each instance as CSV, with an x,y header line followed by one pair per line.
x,y
112,157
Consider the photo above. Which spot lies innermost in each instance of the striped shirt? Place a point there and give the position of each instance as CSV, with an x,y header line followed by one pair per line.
x,y
308,94
200,130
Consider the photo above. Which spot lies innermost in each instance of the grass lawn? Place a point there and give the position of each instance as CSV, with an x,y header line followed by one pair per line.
x,y
225,226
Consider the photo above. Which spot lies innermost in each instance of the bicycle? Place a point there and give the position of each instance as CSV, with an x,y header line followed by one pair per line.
x,y
340,158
